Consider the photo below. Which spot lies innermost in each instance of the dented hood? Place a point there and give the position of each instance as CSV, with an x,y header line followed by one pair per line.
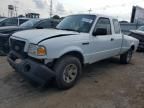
x,y
35,36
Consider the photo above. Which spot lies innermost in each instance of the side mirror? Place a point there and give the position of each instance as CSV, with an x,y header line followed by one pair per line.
x,y
100,31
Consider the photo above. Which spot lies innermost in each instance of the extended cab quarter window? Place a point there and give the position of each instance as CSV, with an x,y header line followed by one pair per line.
x,y
104,23
11,22
116,26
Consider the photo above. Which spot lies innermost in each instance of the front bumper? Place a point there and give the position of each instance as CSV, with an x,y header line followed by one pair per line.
x,y
30,69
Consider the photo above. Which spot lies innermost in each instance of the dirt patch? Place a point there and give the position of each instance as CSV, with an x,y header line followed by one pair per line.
x,y
106,84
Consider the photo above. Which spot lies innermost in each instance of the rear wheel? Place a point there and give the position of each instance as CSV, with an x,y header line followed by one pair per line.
x,y
4,50
126,57
140,49
68,70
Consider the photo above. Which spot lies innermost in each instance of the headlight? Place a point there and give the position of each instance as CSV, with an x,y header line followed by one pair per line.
x,y
37,50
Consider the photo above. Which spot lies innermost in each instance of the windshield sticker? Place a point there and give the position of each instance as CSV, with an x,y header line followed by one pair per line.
x,y
87,20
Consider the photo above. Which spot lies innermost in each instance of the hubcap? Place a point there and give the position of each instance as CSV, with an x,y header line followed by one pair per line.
x,y
70,73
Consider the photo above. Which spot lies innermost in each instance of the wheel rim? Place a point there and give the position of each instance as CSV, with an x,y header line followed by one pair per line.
x,y
129,56
70,73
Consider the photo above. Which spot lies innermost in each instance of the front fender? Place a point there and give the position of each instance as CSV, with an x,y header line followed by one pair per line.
x,y
70,49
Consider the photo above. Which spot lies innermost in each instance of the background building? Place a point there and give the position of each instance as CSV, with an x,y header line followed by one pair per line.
x,y
32,15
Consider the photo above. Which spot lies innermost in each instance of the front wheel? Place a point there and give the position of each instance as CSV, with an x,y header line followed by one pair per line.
x,y
68,70
126,57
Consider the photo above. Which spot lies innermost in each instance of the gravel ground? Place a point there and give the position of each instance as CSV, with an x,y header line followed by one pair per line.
x,y
106,84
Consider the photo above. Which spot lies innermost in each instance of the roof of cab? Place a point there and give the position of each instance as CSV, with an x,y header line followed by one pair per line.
x,y
98,15
23,18
18,18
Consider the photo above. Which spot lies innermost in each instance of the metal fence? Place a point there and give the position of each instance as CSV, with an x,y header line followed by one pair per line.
x,y
126,27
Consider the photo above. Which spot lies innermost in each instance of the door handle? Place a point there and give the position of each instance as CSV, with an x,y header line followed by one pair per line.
x,y
86,43
112,39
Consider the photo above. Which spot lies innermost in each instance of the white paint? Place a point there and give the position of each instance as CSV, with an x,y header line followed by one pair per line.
x,y
99,47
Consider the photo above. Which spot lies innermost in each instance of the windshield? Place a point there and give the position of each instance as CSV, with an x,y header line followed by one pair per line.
x,y
30,23
79,23
141,28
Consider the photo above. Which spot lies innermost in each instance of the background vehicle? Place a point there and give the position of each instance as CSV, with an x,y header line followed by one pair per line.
x,y
60,53
15,21
26,25
139,34
6,32
1,19
33,23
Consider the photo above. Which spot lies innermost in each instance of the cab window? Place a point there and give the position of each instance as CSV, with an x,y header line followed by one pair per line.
x,y
21,21
116,26
11,22
45,24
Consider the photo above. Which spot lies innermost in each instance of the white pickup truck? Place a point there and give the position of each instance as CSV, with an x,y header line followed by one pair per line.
x,y
60,54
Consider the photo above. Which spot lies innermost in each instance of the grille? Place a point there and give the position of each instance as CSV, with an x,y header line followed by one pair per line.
x,y
18,46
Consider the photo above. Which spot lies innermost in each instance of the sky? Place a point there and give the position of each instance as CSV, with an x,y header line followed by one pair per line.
x,y
121,9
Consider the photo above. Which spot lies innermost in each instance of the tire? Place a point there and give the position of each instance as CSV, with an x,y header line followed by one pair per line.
x,y
4,50
6,47
126,57
68,71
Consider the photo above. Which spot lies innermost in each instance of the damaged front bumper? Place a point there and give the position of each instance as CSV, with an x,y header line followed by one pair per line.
x,y
30,69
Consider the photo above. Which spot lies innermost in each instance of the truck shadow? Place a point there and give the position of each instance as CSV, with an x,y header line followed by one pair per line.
x,y
96,68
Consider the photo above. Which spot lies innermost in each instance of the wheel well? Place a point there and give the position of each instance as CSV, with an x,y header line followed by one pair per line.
x,y
72,53
133,47
75,54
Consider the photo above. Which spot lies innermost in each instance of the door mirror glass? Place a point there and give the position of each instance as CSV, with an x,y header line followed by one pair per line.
x,y
100,31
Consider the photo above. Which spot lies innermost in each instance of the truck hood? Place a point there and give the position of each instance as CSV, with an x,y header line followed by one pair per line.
x,y
137,32
7,28
36,36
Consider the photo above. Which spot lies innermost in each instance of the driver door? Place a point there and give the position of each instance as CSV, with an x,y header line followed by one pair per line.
x,y
101,43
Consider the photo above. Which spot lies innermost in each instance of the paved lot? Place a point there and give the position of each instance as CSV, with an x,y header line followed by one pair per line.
x,y
106,84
